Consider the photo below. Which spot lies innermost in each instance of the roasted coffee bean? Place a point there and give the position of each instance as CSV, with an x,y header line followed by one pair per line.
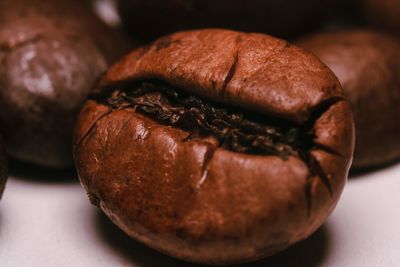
x,y
382,13
216,146
3,168
51,54
368,66
285,18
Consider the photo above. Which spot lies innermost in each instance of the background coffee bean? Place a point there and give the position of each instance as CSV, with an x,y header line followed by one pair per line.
x,y
213,140
3,168
382,13
368,66
51,53
149,19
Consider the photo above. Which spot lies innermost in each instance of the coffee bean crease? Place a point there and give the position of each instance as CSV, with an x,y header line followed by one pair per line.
x,y
233,129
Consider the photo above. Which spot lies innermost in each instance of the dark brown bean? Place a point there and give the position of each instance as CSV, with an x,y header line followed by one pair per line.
x,y
216,146
51,53
382,13
368,66
3,168
149,19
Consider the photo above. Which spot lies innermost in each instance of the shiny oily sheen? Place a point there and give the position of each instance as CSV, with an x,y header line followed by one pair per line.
x,y
51,54
215,146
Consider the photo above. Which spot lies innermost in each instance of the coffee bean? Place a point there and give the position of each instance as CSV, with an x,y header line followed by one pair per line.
x,y
382,13
51,53
368,66
3,168
216,146
285,18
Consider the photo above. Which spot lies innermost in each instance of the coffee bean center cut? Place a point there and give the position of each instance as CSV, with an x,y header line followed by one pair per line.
x,y
233,129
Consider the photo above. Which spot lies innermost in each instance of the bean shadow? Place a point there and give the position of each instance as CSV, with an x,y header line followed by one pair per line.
x,y
360,173
33,173
310,252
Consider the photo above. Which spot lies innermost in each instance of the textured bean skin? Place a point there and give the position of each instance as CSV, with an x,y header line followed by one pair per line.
x,y
192,199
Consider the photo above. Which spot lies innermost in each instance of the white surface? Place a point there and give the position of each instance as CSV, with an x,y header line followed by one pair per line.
x,y
48,223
